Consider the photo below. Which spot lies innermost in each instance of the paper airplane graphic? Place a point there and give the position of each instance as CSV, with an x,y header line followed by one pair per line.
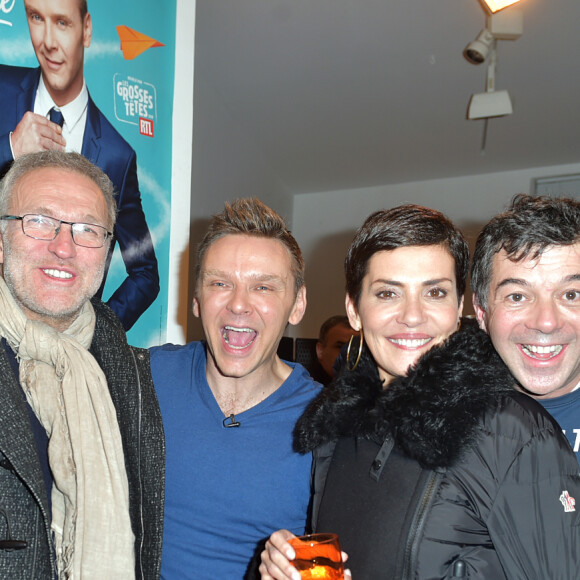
x,y
133,43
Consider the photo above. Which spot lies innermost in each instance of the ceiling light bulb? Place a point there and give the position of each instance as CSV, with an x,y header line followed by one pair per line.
x,y
495,5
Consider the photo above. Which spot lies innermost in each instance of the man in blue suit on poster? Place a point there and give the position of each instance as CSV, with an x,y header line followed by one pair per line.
x,y
50,108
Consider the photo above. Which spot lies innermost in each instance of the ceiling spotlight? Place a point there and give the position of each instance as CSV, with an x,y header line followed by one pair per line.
x,y
476,52
504,26
496,5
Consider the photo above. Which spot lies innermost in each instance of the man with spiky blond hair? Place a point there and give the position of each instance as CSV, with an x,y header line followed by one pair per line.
x,y
229,403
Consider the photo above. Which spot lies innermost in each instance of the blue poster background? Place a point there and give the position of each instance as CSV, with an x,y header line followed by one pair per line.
x,y
137,97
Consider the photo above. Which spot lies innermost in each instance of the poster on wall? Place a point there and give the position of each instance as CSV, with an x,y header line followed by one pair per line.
x,y
120,118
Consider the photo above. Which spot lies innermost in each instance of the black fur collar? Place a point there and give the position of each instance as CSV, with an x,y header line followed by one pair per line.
x,y
432,413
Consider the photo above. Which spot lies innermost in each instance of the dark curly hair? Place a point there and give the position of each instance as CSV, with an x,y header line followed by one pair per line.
x,y
528,226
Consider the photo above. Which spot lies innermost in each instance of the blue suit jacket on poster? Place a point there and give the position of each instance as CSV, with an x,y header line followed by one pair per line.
x,y
105,147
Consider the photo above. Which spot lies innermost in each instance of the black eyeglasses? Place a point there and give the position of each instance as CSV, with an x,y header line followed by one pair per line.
x,y
42,227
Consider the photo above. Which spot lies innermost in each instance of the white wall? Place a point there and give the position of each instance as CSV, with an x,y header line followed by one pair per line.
x,y
227,164
177,315
324,224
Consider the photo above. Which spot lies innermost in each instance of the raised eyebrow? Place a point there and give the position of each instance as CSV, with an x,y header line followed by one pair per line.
x,y
213,274
89,219
56,17
437,281
267,278
387,282
424,283
252,277
515,281
522,282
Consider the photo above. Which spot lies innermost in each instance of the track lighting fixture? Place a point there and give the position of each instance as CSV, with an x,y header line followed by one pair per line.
x,y
508,25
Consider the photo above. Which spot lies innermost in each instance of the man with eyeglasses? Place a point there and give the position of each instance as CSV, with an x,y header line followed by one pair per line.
x,y
42,227
81,441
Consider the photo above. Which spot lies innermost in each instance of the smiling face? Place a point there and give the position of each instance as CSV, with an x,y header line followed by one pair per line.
x,y
59,36
51,280
533,318
245,298
408,303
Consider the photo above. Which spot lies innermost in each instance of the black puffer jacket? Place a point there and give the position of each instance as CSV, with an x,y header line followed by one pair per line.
x,y
448,473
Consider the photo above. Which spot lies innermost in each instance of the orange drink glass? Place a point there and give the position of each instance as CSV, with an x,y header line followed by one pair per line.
x,y
318,557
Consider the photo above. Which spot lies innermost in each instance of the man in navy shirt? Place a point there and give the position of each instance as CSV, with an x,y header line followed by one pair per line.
x,y
526,287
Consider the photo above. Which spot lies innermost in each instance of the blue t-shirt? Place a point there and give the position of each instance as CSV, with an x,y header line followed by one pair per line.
x,y
227,488
566,410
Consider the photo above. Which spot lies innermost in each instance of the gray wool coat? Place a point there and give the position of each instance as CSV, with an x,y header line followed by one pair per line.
x,y
24,508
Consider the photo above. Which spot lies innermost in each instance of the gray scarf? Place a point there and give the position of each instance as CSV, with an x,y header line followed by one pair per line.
x,y
68,392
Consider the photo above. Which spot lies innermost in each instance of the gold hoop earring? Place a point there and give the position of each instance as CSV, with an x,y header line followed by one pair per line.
x,y
360,345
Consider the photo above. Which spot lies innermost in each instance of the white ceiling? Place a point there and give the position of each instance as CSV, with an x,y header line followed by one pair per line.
x,y
340,94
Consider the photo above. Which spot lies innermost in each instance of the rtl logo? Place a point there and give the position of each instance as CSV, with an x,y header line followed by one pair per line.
x,y
146,127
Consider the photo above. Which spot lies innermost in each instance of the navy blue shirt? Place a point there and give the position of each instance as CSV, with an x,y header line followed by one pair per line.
x,y
227,488
566,410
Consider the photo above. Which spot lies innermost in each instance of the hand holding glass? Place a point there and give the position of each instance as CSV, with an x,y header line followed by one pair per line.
x,y
318,557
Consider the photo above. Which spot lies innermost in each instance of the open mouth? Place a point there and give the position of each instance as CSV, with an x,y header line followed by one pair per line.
x,y
57,274
238,338
542,352
410,343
